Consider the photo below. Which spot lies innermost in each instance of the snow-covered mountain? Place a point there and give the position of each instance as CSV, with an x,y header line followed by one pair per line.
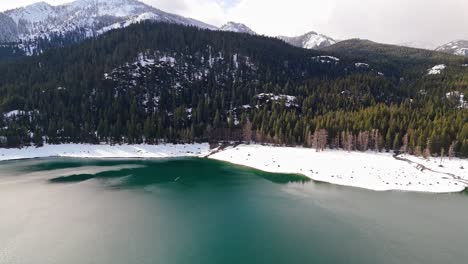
x,y
311,40
459,47
77,20
237,27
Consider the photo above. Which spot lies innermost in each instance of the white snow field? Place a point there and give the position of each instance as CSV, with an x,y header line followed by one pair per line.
x,y
107,151
374,171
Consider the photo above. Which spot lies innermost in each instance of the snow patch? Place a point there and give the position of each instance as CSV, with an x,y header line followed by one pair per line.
x,y
436,69
361,65
458,96
326,59
288,99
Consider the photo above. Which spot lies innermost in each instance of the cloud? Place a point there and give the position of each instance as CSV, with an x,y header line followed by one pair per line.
x,y
290,17
398,21
209,11
8,4
392,21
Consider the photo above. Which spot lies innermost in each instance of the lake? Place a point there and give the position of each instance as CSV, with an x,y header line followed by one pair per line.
x,y
204,211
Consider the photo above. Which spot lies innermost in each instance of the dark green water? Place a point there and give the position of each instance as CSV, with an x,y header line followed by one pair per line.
x,y
203,211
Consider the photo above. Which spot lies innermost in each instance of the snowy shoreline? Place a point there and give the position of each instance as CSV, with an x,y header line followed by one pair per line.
x,y
107,151
368,170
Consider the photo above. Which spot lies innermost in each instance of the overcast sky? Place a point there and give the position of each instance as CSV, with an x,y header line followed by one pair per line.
x,y
391,21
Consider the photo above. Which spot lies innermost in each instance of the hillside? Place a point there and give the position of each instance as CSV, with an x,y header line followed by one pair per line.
x,y
153,82
459,47
398,60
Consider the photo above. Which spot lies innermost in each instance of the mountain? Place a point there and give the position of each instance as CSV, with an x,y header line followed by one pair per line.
x,y
40,26
159,82
311,40
237,27
459,47
392,59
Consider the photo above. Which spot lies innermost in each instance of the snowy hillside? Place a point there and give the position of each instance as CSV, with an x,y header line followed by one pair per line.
x,y
78,20
237,27
311,40
459,47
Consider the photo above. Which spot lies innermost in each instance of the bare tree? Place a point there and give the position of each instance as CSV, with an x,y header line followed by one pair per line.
x,y
247,131
322,139
336,141
427,152
418,151
350,141
404,148
375,139
363,140
379,144
442,153
451,151
343,140
315,140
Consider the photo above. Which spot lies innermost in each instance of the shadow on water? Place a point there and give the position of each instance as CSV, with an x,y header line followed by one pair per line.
x,y
69,163
282,178
182,171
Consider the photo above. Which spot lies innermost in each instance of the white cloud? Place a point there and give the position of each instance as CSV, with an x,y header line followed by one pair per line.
x,y
9,4
392,21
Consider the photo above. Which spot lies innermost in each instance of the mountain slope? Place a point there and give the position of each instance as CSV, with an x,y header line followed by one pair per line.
x,y
237,27
394,60
311,40
459,47
37,27
154,82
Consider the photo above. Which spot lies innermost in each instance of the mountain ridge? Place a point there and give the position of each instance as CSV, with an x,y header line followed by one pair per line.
x,y
32,25
457,47
237,27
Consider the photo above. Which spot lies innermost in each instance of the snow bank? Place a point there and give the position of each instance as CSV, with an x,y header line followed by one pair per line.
x,y
375,171
107,151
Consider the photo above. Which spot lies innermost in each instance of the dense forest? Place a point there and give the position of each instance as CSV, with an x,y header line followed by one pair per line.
x,y
156,82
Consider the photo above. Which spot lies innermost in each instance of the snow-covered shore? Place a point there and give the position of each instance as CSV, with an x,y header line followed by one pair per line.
x,y
369,170
375,171
107,151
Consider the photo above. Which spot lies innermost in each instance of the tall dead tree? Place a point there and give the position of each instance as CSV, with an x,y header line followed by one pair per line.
x,y
322,138
451,151
247,131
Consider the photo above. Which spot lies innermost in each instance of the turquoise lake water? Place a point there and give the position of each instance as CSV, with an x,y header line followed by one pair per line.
x,y
204,211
